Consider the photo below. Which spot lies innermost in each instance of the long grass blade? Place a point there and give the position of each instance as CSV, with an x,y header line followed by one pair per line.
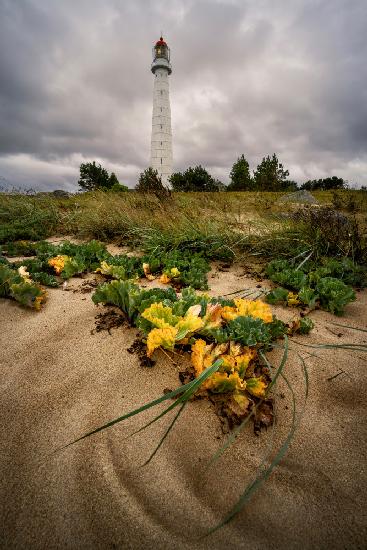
x,y
304,261
187,391
347,346
195,384
237,292
166,433
265,474
299,255
306,377
349,326
145,407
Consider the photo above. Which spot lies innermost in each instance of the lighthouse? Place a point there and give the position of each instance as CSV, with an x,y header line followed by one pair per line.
x,y
161,144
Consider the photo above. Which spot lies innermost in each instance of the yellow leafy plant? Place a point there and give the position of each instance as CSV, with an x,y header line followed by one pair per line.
x,y
221,382
164,279
292,299
243,360
238,404
188,324
244,308
213,317
105,268
167,276
235,360
40,300
58,263
256,386
161,317
201,357
161,337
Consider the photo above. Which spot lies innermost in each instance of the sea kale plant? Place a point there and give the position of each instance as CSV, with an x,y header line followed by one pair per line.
x,y
325,285
18,285
51,263
232,331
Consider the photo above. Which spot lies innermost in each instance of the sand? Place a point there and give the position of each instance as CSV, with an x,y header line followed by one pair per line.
x,y
58,380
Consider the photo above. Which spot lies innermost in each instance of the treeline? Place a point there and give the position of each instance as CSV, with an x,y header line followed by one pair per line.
x,y
324,184
270,175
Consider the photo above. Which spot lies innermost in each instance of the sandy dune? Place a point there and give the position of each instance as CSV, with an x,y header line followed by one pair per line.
x,y
58,381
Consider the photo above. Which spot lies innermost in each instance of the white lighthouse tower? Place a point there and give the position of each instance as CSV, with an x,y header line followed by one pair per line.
x,y
161,144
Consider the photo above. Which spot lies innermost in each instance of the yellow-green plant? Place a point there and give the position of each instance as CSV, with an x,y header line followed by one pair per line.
x,y
18,285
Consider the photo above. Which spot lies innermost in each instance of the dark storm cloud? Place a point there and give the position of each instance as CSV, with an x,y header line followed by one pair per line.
x,y
254,78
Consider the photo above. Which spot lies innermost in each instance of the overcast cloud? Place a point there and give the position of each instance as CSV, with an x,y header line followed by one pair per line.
x,y
251,77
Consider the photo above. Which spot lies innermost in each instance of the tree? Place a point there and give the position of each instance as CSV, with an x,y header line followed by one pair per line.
x,y
290,185
150,182
270,175
115,184
325,184
113,180
93,177
240,176
194,179
96,178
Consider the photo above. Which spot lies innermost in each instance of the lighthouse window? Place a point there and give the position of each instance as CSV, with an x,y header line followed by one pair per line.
x,y
161,161
161,109
161,126
161,92
161,143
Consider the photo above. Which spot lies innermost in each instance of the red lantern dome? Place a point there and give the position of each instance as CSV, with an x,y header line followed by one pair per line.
x,y
161,42
161,55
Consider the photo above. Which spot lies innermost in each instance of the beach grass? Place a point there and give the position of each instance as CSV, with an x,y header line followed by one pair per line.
x,y
224,226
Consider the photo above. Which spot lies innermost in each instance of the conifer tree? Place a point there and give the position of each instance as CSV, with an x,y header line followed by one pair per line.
x,y
240,176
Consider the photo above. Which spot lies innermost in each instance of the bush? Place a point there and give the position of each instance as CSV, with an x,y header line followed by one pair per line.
x,y
25,217
331,233
150,182
195,179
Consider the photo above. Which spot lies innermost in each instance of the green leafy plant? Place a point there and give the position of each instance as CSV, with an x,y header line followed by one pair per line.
x,y
308,296
3,260
192,267
90,254
167,321
314,283
334,294
45,279
305,325
130,298
277,296
248,331
289,277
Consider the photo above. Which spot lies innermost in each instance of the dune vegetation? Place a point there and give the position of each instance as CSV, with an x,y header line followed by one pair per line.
x,y
314,255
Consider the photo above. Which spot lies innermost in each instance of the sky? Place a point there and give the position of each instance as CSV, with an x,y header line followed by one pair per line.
x,y
249,77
